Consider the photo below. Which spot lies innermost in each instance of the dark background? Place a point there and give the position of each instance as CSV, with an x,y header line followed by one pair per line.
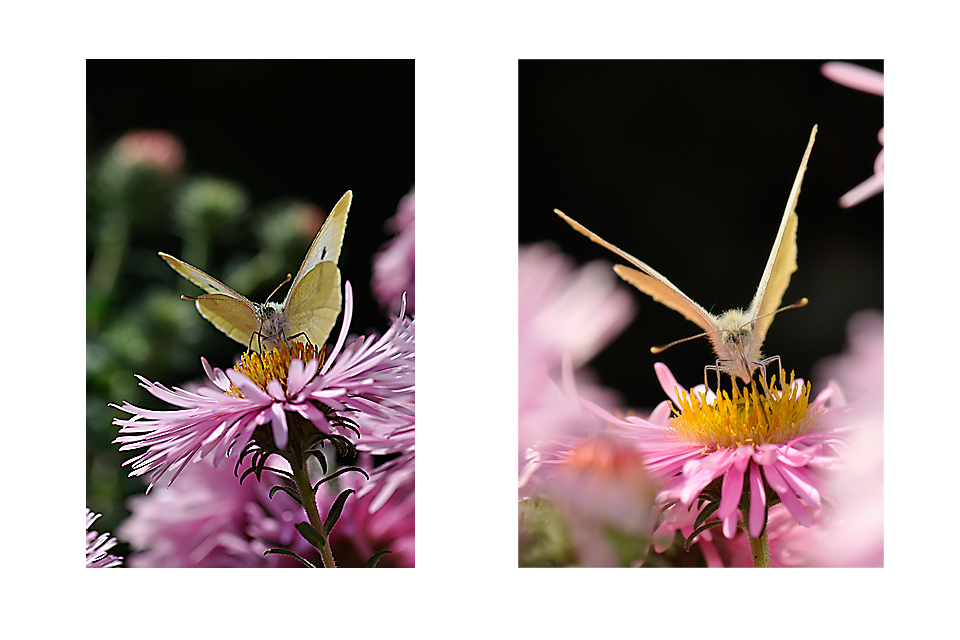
x,y
301,132
687,165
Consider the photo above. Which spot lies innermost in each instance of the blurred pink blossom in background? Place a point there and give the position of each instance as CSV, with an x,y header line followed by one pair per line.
x,y
565,315
870,81
394,268
157,148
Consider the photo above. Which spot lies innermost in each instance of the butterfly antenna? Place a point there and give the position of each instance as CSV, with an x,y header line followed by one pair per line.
x,y
667,346
802,302
285,281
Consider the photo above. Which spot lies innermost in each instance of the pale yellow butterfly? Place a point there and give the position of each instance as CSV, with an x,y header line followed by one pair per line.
x,y
310,308
737,335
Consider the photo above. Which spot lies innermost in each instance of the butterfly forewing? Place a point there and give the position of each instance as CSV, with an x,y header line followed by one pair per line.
x,y
326,246
236,318
783,257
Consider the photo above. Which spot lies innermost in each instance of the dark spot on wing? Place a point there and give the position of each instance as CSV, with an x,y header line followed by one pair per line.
x,y
323,253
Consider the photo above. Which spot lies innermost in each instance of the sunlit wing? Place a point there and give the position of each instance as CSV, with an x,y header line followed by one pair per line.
x,y
668,296
314,303
326,246
783,257
236,318
206,282
650,281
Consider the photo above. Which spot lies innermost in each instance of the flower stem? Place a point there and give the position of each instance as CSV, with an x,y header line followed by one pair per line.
x,y
307,497
760,549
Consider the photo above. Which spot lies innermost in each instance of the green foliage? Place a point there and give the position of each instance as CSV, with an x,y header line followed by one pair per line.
x,y
544,538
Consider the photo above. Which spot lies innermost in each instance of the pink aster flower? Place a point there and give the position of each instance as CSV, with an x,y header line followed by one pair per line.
x,y
870,81
369,378
98,545
737,444
394,266
383,517
384,439
208,519
566,315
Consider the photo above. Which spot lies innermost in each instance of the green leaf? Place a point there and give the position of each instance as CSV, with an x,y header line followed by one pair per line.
x,y
334,514
288,490
310,534
710,525
284,552
707,511
339,472
375,558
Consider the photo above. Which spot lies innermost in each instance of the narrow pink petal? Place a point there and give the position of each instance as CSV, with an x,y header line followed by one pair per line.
x,y
789,498
732,487
866,189
854,76
344,327
248,388
729,526
667,381
800,481
758,501
280,432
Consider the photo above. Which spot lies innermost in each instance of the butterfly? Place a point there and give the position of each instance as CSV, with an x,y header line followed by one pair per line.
x,y
737,335
310,308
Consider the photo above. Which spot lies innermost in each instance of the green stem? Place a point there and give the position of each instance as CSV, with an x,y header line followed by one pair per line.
x,y
307,497
760,549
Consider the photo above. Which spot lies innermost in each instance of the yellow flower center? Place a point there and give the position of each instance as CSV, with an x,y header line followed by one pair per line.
x,y
274,365
746,418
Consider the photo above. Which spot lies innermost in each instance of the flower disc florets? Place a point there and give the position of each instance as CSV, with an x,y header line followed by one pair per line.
x,y
744,417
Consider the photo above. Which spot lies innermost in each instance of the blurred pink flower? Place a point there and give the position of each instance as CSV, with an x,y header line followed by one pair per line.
x,y
566,315
394,267
98,545
870,81
209,519
856,539
790,464
601,483
157,148
369,378
382,516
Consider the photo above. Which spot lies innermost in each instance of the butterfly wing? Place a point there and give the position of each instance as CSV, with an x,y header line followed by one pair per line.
x,y
783,257
206,282
326,246
650,282
668,296
314,303
235,317
226,309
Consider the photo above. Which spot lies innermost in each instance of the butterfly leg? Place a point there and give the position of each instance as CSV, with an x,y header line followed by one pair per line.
x,y
763,368
718,367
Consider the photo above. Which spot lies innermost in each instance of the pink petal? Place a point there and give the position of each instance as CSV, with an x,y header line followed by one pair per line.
x,y
280,432
758,501
854,76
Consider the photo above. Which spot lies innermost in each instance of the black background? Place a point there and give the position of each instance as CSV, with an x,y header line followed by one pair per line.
x,y
688,165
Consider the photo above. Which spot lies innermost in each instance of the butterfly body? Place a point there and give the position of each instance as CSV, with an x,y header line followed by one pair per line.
x,y
736,335
309,310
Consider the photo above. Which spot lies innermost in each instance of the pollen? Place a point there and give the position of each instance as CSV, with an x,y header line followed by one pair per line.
x,y
745,417
274,364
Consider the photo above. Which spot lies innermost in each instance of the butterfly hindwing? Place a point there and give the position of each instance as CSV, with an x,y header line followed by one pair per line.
x,y
314,303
